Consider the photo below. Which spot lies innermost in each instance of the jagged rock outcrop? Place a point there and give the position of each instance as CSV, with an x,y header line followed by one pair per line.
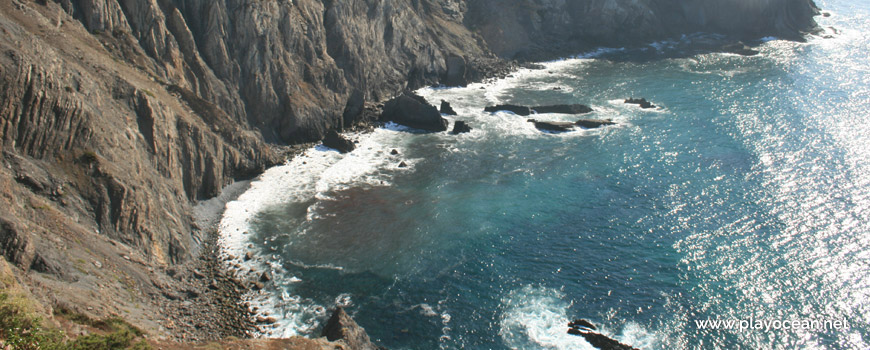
x,y
460,127
342,328
446,108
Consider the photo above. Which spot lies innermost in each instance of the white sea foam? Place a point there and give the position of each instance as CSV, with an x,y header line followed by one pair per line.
x,y
536,317
310,177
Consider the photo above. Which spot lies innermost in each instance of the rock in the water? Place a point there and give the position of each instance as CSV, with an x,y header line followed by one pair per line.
x,y
394,152
642,102
335,141
515,109
341,327
593,123
460,127
403,165
585,329
412,110
446,109
739,48
600,341
563,109
265,276
552,126
582,323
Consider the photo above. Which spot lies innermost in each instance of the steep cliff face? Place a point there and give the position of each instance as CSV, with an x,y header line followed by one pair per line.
x,y
541,28
285,67
116,114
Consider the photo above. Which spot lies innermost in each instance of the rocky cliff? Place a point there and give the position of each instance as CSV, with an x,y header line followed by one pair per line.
x,y
547,28
115,115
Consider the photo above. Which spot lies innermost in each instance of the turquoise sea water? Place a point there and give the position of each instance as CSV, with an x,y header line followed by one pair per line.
x,y
745,195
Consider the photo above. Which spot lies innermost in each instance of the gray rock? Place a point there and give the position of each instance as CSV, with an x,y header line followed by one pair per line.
x,y
342,327
460,127
563,109
446,108
338,142
593,123
412,110
642,102
455,75
515,109
552,126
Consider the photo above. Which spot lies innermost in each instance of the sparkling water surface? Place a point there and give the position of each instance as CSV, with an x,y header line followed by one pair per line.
x,y
745,194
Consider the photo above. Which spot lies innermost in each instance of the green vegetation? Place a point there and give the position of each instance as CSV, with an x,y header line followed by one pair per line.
x,y
21,329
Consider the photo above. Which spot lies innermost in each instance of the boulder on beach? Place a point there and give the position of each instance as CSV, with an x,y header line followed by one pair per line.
x,y
552,126
563,109
593,123
412,110
446,109
515,109
642,102
460,127
335,141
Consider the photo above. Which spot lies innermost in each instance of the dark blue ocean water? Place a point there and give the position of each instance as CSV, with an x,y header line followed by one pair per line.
x,y
746,194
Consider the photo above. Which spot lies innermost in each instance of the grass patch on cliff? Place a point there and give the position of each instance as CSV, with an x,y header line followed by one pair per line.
x,y
20,328
23,329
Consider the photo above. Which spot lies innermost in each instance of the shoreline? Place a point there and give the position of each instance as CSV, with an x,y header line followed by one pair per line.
x,y
210,212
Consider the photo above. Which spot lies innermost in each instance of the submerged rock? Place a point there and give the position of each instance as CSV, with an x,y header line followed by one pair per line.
x,y
515,109
563,109
335,141
739,48
342,327
412,110
552,126
460,127
593,123
642,102
446,109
